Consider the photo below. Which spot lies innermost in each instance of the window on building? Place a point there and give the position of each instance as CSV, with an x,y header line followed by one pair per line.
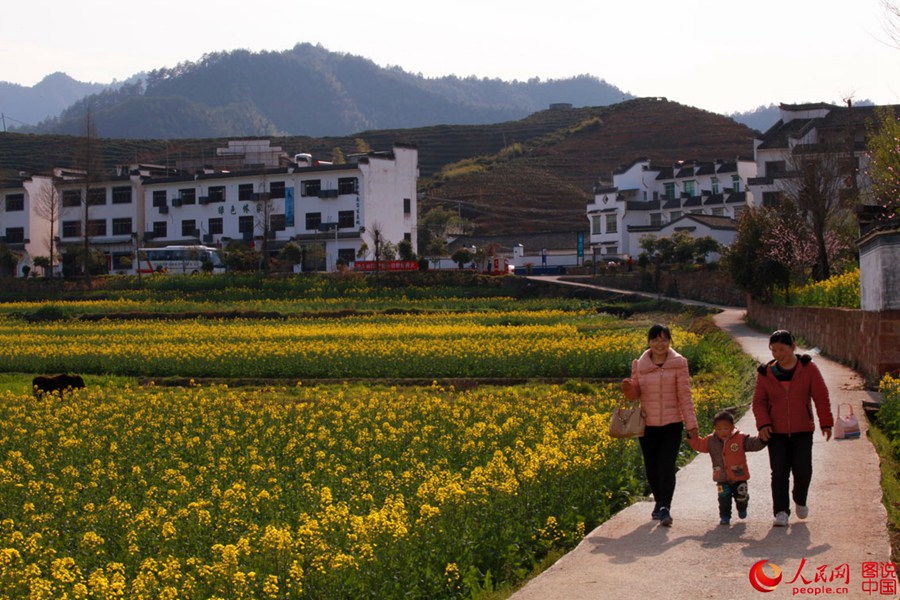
x,y
217,193
774,168
159,198
715,185
188,196
121,195
71,229
15,203
310,187
346,255
738,210
245,224
97,197
216,226
276,189
245,191
690,188
121,226
96,227
655,219
313,220
670,191
277,223
676,214
346,219
718,211
407,206
348,185
612,224
596,224
160,229
407,236
15,235
71,198
188,228
736,183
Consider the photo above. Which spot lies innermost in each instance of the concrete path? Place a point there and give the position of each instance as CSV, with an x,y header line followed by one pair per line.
x,y
631,557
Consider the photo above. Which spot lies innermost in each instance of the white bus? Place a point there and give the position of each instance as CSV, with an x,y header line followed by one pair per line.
x,y
180,260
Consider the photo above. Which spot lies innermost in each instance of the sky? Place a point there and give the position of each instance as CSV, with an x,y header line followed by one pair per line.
x,y
720,55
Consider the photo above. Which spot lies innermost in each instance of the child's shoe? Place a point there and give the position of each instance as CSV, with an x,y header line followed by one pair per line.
x,y
781,519
655,514
802,511
725,521
742,513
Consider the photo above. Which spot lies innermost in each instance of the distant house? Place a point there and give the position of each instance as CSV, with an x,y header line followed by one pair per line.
x,y
23,227
808,130
704,198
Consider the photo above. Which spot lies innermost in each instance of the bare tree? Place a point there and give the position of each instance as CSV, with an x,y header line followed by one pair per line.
x,y
47,206
892,21
263,223
89,161
376,232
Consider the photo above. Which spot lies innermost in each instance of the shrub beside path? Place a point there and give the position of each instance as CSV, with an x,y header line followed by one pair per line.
x,y
632,557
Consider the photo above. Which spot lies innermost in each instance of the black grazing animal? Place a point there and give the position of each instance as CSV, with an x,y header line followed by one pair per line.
x,y
45,384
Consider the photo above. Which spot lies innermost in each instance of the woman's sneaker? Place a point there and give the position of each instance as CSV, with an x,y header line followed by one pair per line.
x,y
781,519
725,521
802,511
665,519
655,514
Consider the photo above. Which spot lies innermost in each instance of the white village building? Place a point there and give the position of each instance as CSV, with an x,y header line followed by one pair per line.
x,y
703,198
250,192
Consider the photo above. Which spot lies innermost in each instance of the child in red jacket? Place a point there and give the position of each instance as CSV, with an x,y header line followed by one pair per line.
x,y
727,448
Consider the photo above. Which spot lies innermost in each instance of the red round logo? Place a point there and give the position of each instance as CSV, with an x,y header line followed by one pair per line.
x,y
761,581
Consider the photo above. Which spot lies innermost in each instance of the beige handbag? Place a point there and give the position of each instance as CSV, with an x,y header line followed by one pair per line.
x,y
627,420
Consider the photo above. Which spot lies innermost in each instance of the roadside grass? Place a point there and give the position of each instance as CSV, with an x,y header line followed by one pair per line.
x,y
890,485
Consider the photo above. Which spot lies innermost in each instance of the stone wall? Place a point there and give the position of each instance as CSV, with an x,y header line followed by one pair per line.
x,y
868,341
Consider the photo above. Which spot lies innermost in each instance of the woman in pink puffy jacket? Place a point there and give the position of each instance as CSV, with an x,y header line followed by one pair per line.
x,y
661,381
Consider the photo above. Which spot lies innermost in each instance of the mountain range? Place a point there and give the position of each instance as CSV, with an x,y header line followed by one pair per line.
x,y
306,90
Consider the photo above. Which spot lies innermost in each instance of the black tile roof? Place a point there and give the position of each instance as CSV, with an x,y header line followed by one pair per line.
x,y
713,199
737,198
665,173
642,205
693,201
673,203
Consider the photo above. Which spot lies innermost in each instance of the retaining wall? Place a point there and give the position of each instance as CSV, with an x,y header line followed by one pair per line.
x,y
868,341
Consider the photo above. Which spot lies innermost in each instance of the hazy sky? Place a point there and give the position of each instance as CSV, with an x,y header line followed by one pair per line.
x,y
720,55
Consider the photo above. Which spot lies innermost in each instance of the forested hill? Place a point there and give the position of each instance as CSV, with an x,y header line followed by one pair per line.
x,y
309,90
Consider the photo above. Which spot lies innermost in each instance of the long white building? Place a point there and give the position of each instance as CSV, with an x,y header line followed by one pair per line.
x,y
251,193
704,198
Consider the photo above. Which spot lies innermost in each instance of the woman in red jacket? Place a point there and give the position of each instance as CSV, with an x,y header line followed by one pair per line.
x,y
786,388
660,379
